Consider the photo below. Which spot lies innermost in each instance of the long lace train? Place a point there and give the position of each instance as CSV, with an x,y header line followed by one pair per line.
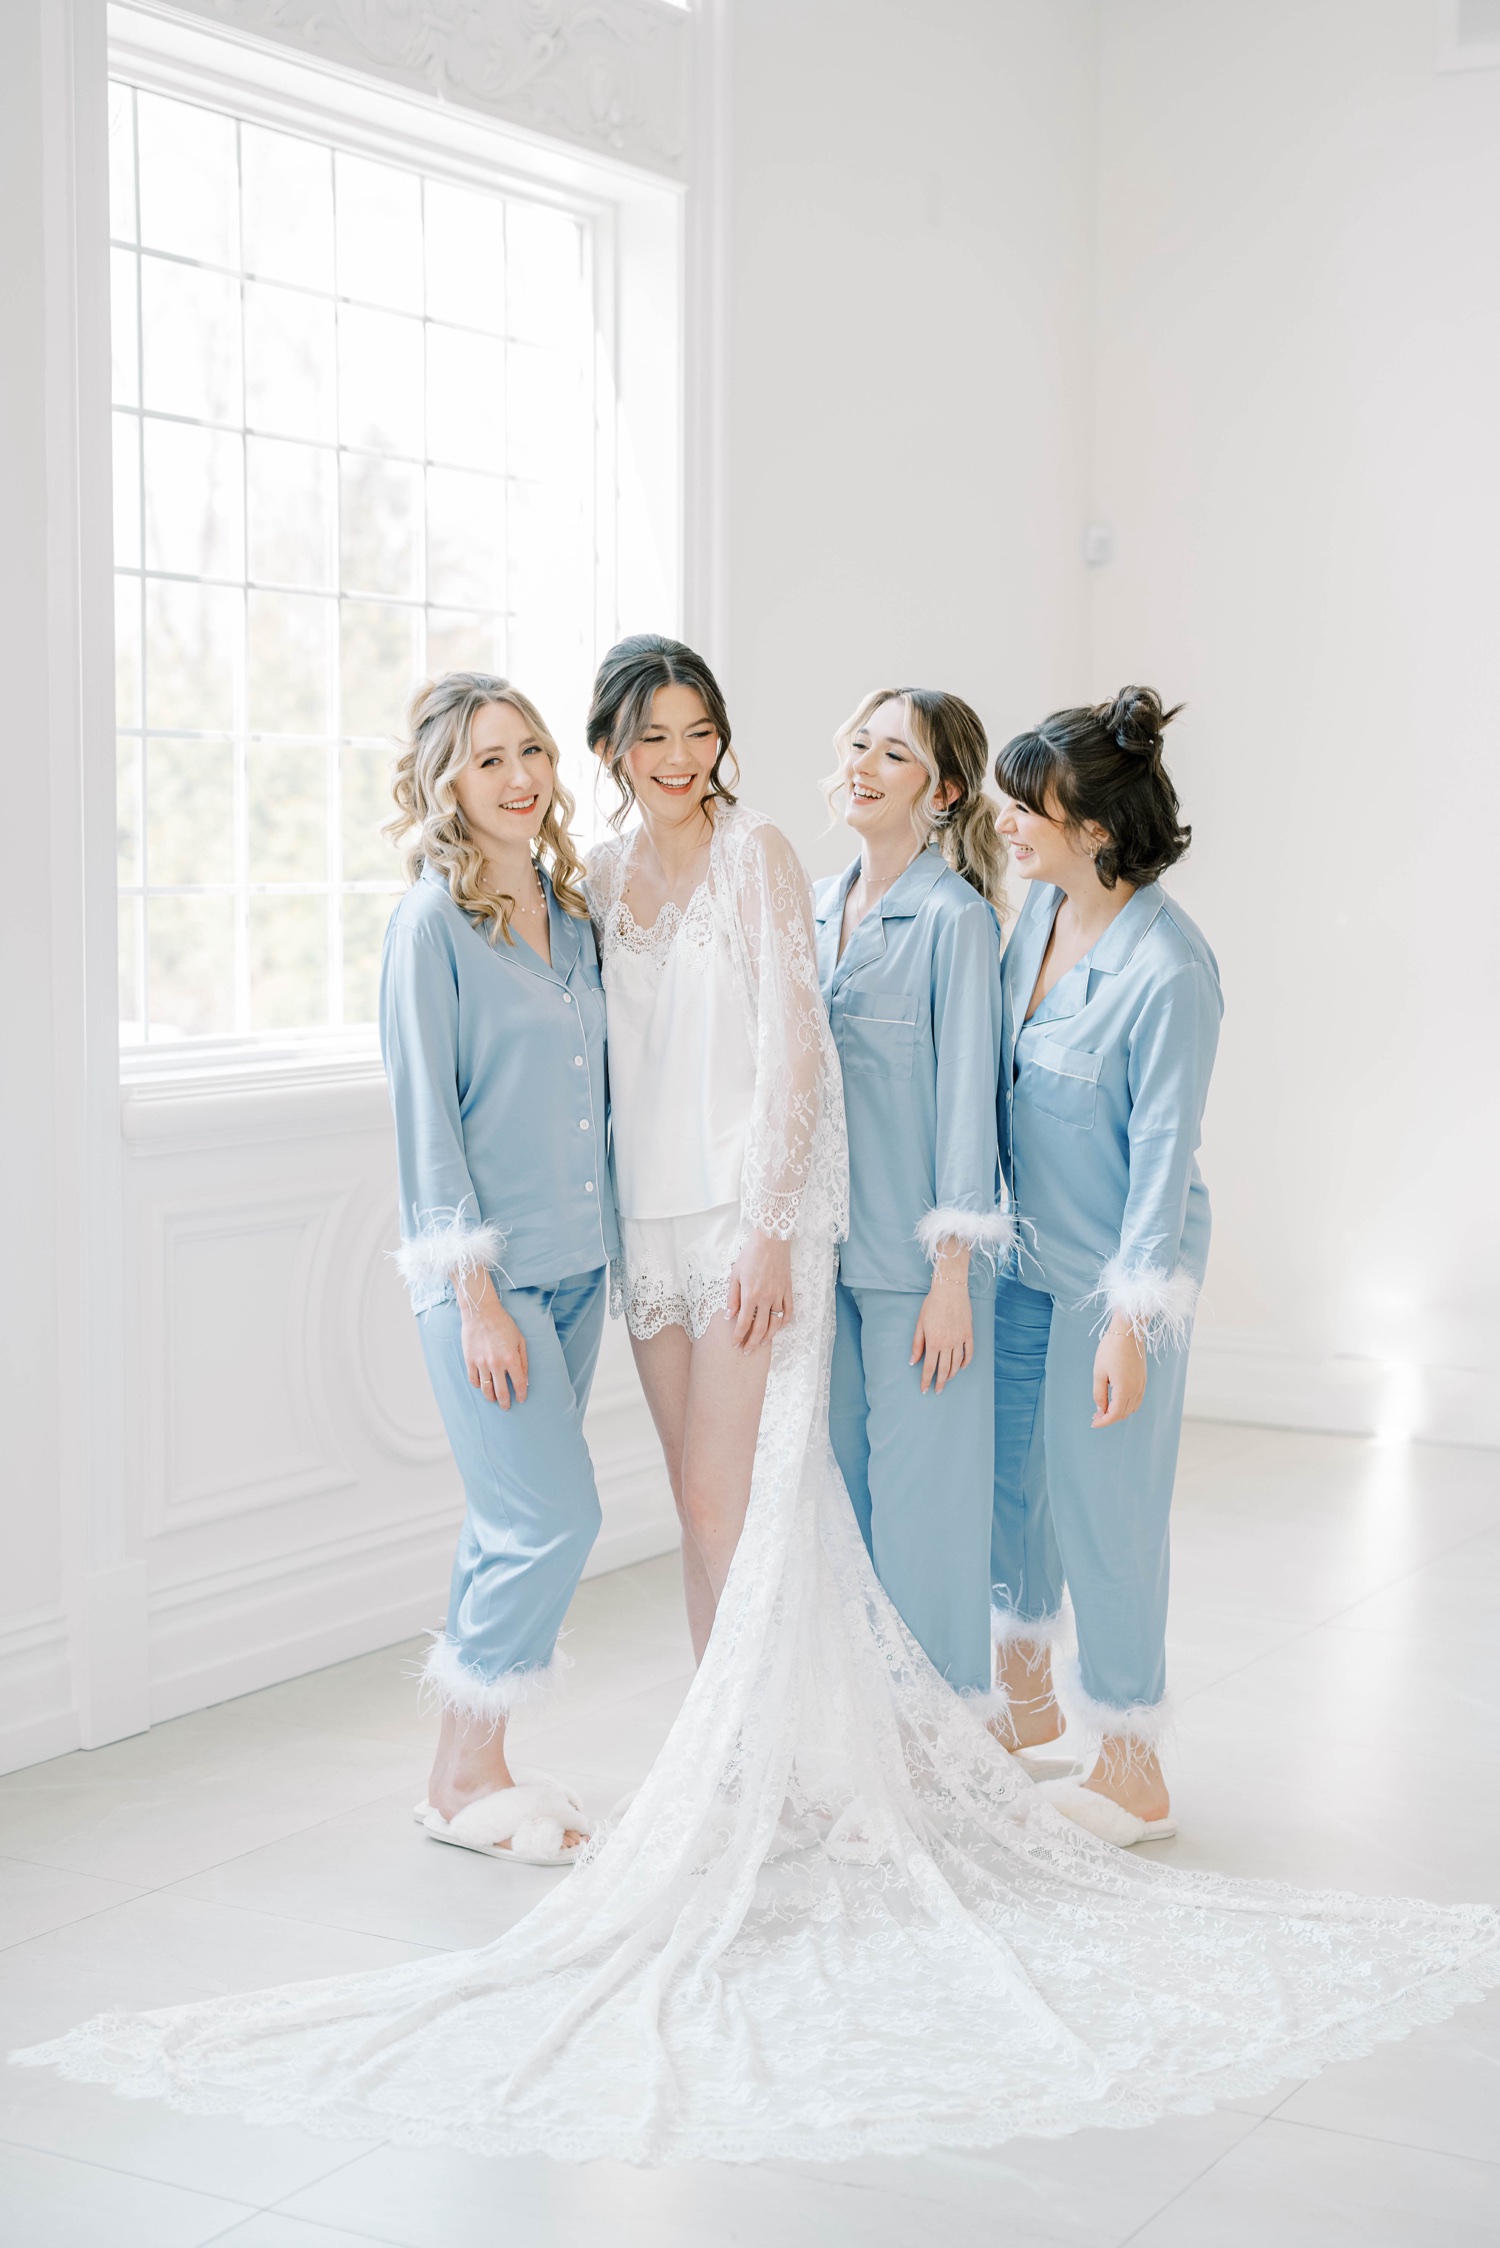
x,y
836,1918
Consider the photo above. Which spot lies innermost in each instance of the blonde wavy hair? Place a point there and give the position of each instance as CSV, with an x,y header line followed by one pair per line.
x,y
429,827
949,740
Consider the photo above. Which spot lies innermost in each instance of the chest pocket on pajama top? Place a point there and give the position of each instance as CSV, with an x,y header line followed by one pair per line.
x,y
878,1034
1064,1084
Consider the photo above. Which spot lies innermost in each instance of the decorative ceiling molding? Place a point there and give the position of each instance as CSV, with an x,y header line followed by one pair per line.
x,y
608,75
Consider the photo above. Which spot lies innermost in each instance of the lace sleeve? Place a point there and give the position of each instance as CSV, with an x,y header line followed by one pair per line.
x,y
601,879
796,1171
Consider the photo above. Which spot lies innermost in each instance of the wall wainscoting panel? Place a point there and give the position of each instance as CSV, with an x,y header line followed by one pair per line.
x,y
37,1717
232,1361
386,1368
609,75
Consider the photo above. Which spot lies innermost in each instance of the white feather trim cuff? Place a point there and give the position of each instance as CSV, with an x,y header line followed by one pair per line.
x,y
447,1247
991,1232
1006,1627
1146,1725
454,1684
1157,1305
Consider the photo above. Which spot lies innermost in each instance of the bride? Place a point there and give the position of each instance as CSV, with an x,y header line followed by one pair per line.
x,y
836,1917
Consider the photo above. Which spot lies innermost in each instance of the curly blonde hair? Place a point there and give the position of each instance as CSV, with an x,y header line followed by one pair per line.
x,y
428,822
949,739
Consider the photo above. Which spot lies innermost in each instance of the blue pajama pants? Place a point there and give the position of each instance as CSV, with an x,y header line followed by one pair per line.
x,y
919,1472
1080,1506
533,1512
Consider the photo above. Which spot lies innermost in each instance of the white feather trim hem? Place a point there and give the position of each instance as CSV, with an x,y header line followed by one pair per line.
x,y
1006,1627
1158,1305
447,1248
1146,1725
985,1701
991,1232
454,1684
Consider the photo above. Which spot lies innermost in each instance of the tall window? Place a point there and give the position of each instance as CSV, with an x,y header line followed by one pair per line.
x,y
354,446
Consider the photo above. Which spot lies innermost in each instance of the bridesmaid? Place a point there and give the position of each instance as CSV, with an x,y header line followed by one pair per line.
x,y
492,1028
1112,1008
909,959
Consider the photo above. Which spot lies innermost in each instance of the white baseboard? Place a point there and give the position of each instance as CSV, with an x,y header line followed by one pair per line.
x,y
36,1690
1240,1378
230,1632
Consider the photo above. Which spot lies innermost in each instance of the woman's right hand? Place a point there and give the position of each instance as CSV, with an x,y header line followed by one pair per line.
x,y
1119,1374
493,1345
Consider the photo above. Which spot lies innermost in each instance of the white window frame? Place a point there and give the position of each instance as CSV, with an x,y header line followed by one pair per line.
x,y
636,223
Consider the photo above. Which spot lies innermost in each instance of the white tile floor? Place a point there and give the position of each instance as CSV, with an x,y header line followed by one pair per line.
x,y
1335,1645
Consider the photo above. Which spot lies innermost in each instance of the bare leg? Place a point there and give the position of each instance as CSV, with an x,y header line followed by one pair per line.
x,y
705,1398
665,1364
726,1390
1032,1716
470,1763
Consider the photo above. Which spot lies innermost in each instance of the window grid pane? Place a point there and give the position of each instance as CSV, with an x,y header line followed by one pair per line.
x,y
355,445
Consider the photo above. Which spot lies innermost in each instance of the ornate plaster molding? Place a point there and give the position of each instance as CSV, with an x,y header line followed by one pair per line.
x,y
609,75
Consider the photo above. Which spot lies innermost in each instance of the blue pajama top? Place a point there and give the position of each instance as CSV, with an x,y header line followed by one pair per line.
x,y
496,1066
1101,1103
915,1008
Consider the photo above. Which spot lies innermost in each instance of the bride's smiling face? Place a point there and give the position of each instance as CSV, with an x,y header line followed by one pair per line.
x,y
671,758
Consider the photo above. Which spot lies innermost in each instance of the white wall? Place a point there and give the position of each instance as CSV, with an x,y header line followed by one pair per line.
x,y
911,225
34,1685
1298,445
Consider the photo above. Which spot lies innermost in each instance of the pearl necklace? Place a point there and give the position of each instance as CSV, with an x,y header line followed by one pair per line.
x,y
535,905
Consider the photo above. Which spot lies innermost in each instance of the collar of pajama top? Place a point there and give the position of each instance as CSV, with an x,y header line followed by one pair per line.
x,y
915,1009
1101,1106
496,1066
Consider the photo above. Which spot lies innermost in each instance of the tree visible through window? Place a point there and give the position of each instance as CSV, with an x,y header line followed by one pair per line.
x,y
353,447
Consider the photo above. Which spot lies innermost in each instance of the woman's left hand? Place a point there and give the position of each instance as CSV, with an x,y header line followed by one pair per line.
x,y
1119,1375
944,1340
760,1291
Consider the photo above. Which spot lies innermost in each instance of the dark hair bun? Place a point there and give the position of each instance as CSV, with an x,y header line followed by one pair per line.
x,y
1102,764
1134,721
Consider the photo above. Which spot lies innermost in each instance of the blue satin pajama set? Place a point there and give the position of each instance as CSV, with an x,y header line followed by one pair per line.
x,y
916,1014
1101,1105
496,1066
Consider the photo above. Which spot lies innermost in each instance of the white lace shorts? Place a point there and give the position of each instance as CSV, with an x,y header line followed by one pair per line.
x,y
674,1272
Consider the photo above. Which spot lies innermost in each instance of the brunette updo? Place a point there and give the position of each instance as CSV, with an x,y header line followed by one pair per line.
x,y
1103,763
625,687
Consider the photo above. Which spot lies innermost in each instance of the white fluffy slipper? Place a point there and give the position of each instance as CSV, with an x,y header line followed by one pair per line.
x,y
1049,1763
1086,1807
525,1823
